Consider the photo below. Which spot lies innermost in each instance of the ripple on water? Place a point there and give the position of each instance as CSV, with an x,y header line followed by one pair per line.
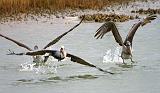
x,y
55,79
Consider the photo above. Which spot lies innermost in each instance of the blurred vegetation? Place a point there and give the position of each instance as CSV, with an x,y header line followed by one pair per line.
x,y
8,7
14,8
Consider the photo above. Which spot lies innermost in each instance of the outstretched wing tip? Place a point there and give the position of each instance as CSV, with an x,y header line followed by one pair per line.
x,y
83,62
105,71
59,37
16,42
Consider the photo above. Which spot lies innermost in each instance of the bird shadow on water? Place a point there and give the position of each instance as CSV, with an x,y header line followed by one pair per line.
x,y
55,79
72,78
126,65
43,75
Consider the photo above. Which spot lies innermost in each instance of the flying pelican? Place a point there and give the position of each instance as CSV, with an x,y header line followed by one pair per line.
x,y
38,58
127,44
60,55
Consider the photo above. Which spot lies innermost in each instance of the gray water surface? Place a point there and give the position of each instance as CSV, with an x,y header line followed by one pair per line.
x,y
141,77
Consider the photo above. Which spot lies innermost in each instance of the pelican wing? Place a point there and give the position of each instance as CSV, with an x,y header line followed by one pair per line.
x,y
83,62
59,37
134,28
39,52
107,27
18,43
148,19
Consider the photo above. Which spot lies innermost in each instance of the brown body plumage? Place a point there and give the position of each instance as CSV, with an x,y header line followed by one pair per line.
x,y
127,44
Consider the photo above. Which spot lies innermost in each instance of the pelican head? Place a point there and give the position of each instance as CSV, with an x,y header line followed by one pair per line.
x,y
128,43
62,48
35,47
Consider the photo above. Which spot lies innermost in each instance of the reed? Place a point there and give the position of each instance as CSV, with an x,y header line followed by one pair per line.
x,y
24,6
13,9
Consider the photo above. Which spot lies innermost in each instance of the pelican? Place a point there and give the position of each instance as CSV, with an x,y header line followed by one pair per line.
x,y
127,43
60,55
38,58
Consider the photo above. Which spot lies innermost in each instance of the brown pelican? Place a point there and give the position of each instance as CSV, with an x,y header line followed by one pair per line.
x,y
60,55
127,44
39,58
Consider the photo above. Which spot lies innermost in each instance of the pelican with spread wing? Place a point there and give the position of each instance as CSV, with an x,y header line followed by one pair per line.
x,y
38,58
60,55
127,43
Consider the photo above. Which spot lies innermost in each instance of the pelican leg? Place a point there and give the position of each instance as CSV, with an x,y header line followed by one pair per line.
x,y
46,58
132,60
123,61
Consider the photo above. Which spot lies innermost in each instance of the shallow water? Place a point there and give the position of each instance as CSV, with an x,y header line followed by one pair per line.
x,y
140,77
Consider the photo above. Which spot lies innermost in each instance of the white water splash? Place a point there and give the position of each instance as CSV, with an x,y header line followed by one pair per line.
x,y
113,56
31,67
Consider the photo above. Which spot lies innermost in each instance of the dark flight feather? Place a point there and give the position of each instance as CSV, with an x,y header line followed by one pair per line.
x,y
59,37
18,43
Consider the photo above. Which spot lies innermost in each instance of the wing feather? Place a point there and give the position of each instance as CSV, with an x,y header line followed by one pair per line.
x,y
107,27
83,62
59,37
39,52
134,28
18,43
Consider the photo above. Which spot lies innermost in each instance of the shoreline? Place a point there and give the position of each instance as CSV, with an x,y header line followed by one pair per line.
x,y
116,13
